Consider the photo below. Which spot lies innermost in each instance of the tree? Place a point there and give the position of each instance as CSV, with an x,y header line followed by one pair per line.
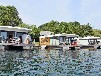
x,y
9,16
35,32
69,28
23,25
97,32
52,26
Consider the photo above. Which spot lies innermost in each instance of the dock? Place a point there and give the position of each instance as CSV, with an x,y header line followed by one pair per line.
x,y
71,47
14,46
53,46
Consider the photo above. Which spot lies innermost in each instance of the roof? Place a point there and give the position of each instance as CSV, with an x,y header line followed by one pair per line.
x,y
45,33
67,35
56,35
17,29
46,36
89,37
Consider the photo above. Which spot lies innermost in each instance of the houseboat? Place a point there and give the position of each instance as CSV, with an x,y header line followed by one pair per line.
x,y
90,41
14,37
70,41
57,40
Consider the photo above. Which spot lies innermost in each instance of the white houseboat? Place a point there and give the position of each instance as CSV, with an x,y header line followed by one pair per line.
x,y
89,40
9,36
57,39
71,40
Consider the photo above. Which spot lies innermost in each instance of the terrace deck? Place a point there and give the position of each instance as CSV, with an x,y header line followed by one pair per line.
x,y
13,46
70,47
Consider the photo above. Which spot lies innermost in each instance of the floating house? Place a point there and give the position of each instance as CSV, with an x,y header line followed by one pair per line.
x,y
70,41
67,39
89,40
57,39
11,32
9,36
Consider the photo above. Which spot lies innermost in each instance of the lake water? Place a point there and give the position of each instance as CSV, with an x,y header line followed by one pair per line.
x,y
50,63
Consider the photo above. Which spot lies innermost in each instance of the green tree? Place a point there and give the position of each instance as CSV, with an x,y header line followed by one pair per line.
x,y
24,25
52,26
87,30
35,32
97,32
67,27
9,16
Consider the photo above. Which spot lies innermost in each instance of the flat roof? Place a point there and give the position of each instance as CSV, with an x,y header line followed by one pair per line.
x,y
17,29
89,37
67,35
56,35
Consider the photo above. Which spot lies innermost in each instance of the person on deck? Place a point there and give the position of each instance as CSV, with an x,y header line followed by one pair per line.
x,y
19,40
10,40
26,39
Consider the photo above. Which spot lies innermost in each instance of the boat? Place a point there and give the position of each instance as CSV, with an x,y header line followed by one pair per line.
x,y
9,37
57,40
71,41
90,41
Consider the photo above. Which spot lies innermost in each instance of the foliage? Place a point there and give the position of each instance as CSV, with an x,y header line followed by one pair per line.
x,y
9,16
52,26
67,27
34,30
23,25
97,32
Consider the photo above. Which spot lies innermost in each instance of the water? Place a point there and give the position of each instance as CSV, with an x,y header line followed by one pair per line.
x,y
50,63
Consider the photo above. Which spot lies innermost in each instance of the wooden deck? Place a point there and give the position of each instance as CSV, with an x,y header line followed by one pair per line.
x,y
53,46
71,47
13,46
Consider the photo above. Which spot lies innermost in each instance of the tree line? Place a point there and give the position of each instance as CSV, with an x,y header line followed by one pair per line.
x,y
9,16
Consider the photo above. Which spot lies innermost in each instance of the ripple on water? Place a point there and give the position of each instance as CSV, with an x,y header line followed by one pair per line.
x,y
50,63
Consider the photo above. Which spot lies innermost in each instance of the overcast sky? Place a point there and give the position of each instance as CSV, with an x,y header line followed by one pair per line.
x,y
41,11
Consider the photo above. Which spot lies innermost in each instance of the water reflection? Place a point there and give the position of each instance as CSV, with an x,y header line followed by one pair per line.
x,y
50,63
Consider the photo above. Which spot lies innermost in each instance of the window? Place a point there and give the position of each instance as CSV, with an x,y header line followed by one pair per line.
x,y
4,35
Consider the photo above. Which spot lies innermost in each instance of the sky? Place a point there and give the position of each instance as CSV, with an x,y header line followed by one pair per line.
x,y
39,12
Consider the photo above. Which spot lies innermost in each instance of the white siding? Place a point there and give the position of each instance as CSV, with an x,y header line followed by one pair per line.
x,y
83,42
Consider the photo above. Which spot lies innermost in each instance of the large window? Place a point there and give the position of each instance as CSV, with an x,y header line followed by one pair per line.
x,y
19,34
62,38
4,35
